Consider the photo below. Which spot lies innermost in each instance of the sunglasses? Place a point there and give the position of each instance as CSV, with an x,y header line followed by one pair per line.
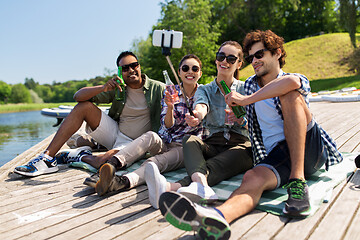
x,y
133,66
186,68
220,56
259,54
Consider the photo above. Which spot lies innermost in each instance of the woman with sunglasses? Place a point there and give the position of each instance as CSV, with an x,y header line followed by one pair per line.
x,y
226,151
164,146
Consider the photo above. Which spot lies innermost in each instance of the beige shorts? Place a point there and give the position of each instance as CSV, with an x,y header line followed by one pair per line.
x,y
108,133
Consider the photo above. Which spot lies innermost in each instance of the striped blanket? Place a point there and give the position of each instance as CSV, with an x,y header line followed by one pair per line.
x,y
320,184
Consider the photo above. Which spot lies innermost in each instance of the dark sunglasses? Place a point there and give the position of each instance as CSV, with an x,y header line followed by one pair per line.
x,y
259,54
220,56
133,65
186,68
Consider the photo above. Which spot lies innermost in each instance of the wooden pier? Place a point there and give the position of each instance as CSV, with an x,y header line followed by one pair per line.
x,y
59,206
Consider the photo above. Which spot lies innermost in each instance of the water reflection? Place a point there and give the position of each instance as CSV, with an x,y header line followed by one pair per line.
x,y
20,131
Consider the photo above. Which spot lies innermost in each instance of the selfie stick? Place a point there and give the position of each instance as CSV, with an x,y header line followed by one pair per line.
x,y
167,53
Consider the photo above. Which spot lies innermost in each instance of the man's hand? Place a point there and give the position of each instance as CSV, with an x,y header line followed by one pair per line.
x,y
195,120
235,98
112,84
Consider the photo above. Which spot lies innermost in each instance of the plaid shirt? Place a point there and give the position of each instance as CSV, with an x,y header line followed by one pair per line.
x,y
258,148
180,128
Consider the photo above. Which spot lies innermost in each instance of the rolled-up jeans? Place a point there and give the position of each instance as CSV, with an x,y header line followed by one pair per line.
x,y
216,157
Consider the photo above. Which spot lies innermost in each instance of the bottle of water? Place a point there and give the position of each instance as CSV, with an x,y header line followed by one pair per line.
x,y
170,87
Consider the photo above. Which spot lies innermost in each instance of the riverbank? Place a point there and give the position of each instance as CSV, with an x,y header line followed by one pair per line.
x,y
23,107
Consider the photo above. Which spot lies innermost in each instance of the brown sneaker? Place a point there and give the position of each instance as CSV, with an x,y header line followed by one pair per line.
x,y
107,174
109,182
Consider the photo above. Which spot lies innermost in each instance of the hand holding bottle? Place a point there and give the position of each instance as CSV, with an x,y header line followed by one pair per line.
x,y
170,88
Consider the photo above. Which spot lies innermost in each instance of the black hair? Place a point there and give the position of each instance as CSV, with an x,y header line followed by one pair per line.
x,y
124,54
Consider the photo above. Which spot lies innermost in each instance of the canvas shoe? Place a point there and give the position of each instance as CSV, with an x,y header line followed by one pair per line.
x,y
155,182
108,181
197,192
72,155
180,212
92,180
298,204
42,164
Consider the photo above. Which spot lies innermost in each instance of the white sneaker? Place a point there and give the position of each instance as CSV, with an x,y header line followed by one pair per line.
x,y
198,192
42,164
156,183
72,155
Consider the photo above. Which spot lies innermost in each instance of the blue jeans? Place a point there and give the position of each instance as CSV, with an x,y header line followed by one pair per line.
x,y
278,160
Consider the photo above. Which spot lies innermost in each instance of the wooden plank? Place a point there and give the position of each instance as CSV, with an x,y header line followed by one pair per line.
x,y
353,232
93,219
266,228
340,215
123,224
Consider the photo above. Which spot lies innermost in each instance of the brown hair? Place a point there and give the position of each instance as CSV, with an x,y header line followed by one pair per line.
x,y
270,40
190,56
240,55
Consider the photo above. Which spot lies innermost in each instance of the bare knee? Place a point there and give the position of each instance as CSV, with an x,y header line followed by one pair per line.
x,y
261,178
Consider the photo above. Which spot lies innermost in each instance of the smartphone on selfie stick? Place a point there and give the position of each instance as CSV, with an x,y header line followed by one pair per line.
x,y
167,39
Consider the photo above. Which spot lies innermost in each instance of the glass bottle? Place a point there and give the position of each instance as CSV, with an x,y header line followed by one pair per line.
x,y
120,95
239,111
170,87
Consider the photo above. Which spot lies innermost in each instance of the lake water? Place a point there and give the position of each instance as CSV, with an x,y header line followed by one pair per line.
x,y
20,131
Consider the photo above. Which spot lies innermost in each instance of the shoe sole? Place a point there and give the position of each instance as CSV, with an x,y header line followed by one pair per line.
x,y
153,188
37,173
297,214
106,176
180,212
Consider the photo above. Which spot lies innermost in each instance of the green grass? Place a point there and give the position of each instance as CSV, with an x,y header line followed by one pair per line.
x,y
327,60
23,107
335,83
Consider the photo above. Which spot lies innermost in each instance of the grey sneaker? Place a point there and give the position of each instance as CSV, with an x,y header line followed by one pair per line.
x,y
108,181
92,180
185,215
298,204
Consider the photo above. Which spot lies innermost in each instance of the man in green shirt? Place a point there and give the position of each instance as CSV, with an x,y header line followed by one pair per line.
x,y
137,112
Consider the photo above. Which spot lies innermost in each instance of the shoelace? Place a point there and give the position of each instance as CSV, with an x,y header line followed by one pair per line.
x,y
35,160
297,189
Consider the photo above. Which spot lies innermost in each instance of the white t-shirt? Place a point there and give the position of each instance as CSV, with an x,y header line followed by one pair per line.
x,y
135,117
271,124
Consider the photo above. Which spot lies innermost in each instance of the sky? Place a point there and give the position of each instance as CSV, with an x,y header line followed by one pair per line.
x,y
61,40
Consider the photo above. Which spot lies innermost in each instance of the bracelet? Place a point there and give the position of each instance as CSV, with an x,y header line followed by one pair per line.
x,y
245,122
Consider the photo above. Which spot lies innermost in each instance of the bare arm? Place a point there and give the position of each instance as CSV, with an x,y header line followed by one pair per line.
x,y
169,116
275,88
85,93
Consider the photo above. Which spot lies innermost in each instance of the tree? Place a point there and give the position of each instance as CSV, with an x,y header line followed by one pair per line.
x,y
5,92
30,83
20,94
348,17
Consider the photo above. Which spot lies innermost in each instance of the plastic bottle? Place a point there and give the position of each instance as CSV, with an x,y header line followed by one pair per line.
x,y
120,95
170,87
239,111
